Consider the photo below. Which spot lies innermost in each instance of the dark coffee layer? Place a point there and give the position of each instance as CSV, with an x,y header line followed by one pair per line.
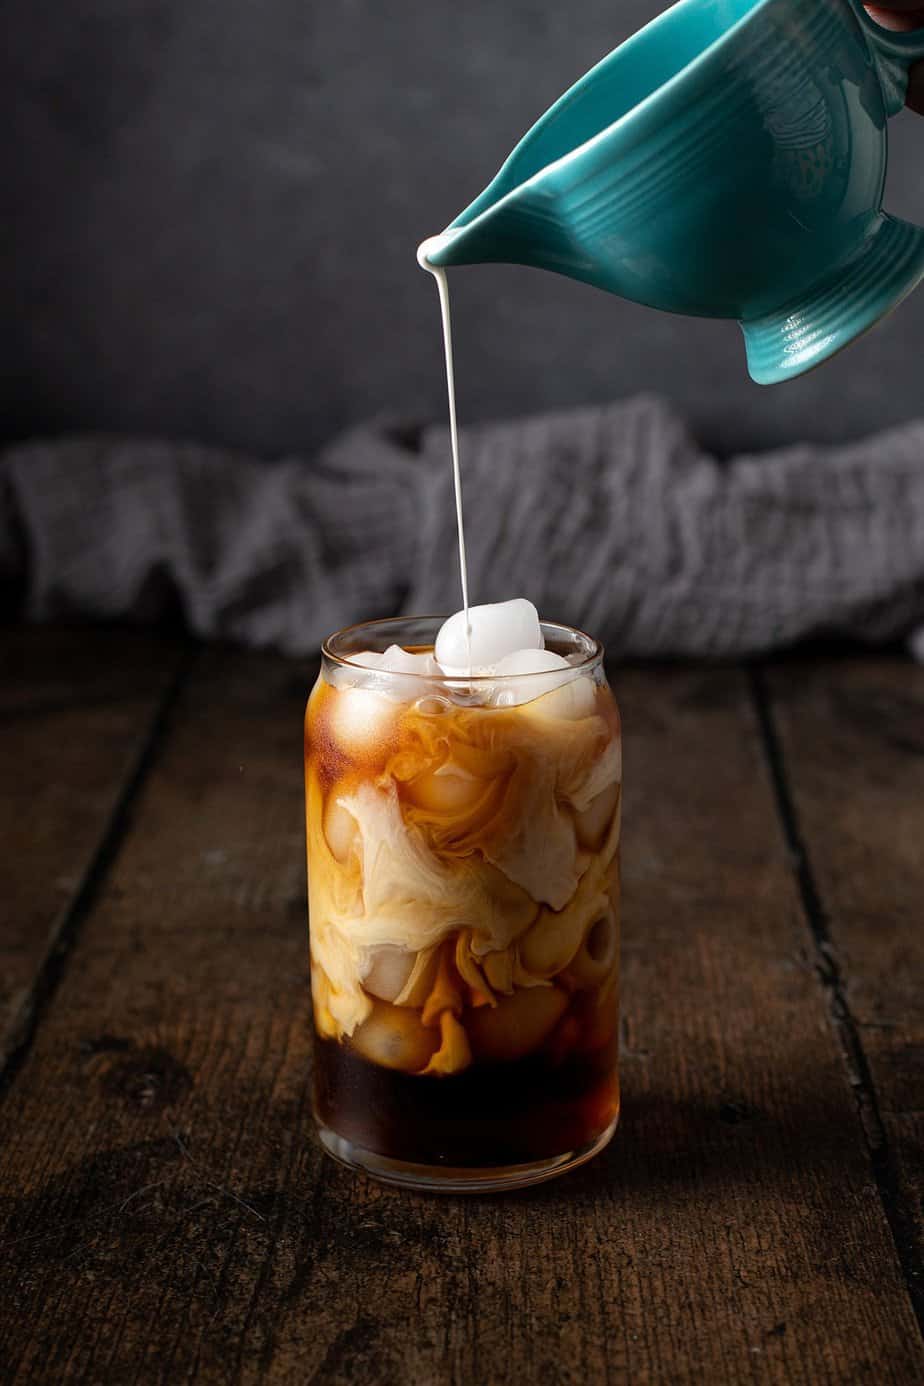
x,y
535,1108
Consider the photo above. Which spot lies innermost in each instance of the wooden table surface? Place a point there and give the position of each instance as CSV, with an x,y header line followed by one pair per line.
x,y
165,1211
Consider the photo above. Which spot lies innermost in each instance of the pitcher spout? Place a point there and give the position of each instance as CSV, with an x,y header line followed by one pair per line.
x,y
519,227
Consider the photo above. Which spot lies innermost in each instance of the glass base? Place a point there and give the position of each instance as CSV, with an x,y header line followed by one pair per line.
x,y
446,1179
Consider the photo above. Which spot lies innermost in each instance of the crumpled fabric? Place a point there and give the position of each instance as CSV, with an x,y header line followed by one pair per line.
x,y
610,518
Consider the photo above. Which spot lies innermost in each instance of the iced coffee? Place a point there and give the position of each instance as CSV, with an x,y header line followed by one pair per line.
x,y
463,821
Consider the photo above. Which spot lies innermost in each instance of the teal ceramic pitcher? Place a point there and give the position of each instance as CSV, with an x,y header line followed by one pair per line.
x,y
727,161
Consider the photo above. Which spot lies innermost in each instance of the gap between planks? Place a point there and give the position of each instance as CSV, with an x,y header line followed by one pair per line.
x,y
49,975
834,984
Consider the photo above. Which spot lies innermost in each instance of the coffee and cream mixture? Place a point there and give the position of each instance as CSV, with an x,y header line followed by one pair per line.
x,y
463,845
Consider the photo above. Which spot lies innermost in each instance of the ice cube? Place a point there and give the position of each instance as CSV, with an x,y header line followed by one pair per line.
x,y
356,671
495,630
531,662
394,660
570,701
552,687
395,1037
372,673
592,823
340,831
513,691
449,790
362,718
389,970
397,660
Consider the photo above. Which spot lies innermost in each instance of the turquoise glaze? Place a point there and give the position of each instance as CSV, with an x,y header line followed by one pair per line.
x,y
727,161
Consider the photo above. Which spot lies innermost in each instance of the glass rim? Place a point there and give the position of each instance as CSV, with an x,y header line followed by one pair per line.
x,y
591,661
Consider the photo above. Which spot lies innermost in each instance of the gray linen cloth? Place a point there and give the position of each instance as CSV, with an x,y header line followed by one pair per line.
x,y
611,518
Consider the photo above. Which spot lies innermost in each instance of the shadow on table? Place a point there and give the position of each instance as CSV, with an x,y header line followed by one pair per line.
x,y
665,1144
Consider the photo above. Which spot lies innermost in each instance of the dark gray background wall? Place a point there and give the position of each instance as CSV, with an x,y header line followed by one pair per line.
x,y
211,208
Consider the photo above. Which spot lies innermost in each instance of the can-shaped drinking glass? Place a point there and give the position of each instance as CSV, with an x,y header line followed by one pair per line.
x,y
463,871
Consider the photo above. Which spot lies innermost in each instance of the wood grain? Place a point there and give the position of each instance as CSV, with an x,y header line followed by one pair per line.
x,y
167,1214
852,740
77,711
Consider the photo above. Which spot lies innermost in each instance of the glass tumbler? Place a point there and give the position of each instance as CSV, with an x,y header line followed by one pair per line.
x,y
463,870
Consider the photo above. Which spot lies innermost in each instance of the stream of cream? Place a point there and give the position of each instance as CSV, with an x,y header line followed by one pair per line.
x,y
442,284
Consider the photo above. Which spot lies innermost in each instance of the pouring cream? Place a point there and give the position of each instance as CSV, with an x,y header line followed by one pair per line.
x,y
426,248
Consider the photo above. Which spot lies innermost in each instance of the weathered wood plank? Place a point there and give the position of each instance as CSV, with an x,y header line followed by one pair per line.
x,y
167,1213
852,736
77,709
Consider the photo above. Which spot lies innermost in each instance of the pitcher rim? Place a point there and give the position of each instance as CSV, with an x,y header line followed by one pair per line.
x,y
707,54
